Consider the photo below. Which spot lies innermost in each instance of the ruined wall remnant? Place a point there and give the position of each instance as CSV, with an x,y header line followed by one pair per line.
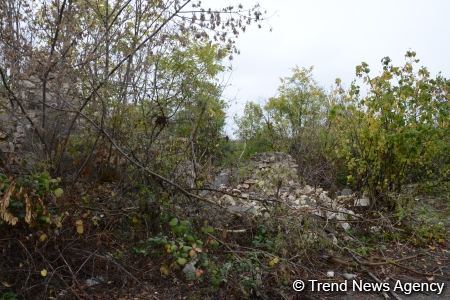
x,y
18,129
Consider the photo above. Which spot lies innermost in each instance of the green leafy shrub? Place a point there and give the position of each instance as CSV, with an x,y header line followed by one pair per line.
x,y
257,131
294,121
428,233
181,247
394,133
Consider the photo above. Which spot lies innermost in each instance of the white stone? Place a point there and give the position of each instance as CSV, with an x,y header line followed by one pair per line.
x,y
317,212
94,281
325,199
330,215
347,211
375,229
341,217
227,200
334,239
349,276
345,225
362,202
28,84
190,268
307,190
303,199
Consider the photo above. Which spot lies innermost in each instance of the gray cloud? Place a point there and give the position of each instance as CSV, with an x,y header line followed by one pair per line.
x,y
335,36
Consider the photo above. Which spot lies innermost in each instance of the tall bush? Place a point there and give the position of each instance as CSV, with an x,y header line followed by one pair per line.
x,y
393,128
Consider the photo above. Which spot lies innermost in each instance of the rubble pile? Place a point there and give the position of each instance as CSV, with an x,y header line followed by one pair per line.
x,y
273,180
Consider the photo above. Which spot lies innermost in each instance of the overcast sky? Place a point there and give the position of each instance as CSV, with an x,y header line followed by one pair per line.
x,y
334,36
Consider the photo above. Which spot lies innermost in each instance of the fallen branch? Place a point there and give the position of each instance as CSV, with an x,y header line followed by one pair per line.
x,y
111,259
418,272
385,295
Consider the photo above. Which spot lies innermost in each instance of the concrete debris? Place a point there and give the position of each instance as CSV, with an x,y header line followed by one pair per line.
x,y
273,180
362,202
346,192
93,281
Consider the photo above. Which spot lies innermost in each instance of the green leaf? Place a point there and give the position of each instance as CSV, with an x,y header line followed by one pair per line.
x,y
189,238
45,219
181,261
58,192
173,222
185,223
207,229
186,248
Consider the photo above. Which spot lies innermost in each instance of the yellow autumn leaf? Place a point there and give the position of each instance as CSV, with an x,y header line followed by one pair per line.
x,y
4,203
44,272
9,218
58,221
196,248
42,237
192,253
135,220
79,226
165,271
27,209
273,262
58,192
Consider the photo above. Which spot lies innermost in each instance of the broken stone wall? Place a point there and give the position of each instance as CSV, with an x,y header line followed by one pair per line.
x,y
17,134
